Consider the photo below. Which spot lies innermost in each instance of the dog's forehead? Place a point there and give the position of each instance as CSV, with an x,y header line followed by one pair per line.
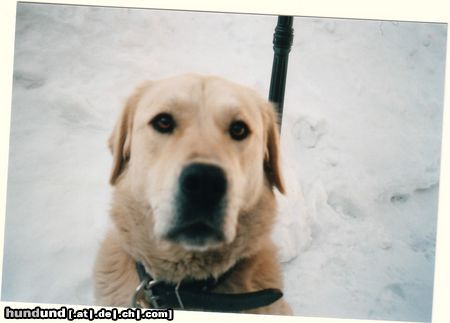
x,y
195,92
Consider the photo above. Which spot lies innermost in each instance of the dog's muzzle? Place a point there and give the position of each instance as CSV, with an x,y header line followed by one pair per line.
x,y
200,205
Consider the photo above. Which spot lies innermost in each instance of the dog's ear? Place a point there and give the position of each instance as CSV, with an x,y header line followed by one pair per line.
x,y
120,140
272,162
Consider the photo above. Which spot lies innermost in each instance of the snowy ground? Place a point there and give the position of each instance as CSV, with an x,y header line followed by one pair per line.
x,y
361,144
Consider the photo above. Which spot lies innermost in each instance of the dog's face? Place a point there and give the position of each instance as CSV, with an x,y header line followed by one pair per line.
x,y
199,150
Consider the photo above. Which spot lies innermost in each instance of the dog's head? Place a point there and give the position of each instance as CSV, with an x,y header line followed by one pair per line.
x,y
199,150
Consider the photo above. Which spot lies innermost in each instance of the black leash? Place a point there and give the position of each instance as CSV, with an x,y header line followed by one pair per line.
x,y
196,295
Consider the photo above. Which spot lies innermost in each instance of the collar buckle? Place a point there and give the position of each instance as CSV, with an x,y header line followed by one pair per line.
x,y
151,297
144,292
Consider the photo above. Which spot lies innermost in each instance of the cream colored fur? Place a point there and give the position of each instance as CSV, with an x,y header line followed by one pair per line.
x,y
146,166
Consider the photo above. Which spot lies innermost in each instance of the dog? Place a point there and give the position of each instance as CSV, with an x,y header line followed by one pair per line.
x,y
195,164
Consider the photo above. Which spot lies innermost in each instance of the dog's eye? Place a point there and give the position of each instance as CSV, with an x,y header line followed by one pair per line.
x,y
163,123
238,130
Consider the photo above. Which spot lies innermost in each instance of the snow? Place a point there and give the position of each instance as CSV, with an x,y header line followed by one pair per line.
x,y
361,142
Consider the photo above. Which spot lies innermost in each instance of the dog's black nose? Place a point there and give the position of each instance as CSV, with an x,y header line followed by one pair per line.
x,y
200,206
203,182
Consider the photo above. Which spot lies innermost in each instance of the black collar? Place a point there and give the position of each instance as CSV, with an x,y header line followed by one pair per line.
x,y
197,295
